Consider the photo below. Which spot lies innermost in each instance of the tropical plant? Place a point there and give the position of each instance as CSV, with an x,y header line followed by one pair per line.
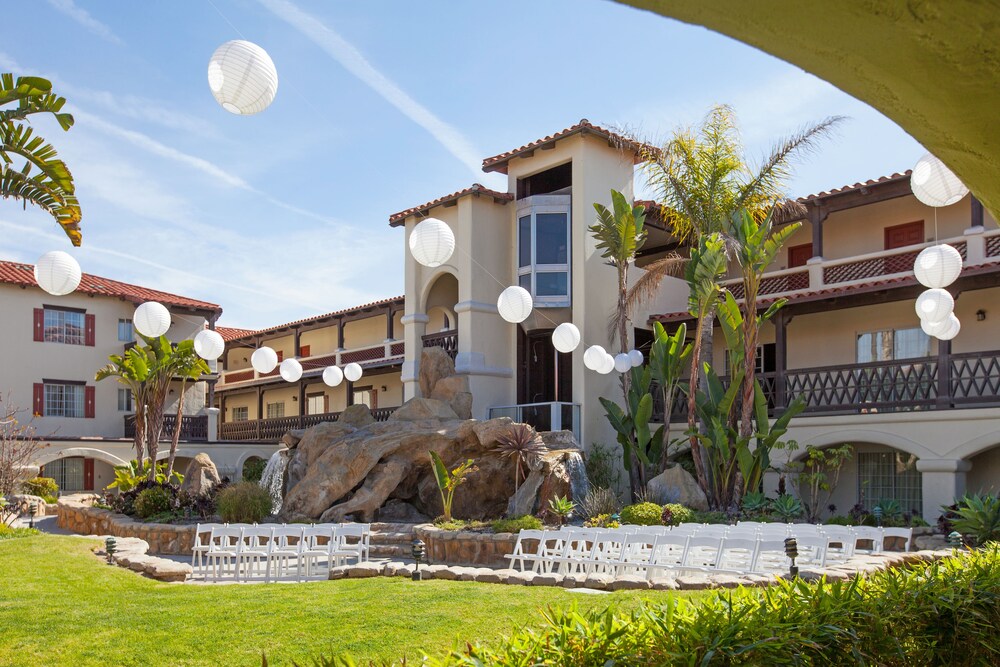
x,y
604,466
603,521
133,473
43,487
152,501
523,444
978,516
891,509
561,508
666,364
253,470
816,476
52,188
787,508
674,514
642,514
599,501
244,502
639,444
147,371
449,481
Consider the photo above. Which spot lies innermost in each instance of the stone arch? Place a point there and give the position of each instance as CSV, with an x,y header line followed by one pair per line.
x,y
85,452
886,438
983,475
243,460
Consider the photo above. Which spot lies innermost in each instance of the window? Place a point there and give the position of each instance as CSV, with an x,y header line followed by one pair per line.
x,y
365,396
275,410
891,344
124,400
241,414
64,326
67,472
125,333
305,351
64,400
889,476
316,404
543,237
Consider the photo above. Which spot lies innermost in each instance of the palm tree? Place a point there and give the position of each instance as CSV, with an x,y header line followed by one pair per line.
x,y
187,366
52,188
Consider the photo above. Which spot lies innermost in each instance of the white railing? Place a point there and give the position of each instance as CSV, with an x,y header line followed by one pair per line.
x,y
548,416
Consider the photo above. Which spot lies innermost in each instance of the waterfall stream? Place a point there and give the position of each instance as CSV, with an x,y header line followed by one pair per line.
x,y
579,485
273,478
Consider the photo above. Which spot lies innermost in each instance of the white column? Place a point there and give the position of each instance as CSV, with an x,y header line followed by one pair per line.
x,y
213,424
975,246
943,481
414,327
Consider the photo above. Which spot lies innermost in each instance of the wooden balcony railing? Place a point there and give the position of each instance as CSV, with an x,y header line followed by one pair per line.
x,y
448,340
271,430
364,355
969,379
194,428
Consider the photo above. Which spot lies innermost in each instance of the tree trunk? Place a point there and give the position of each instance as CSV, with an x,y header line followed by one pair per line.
x,y
153,430
750,335
668,402
693,382
177,430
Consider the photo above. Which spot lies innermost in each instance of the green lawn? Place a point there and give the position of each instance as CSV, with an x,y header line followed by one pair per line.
x,y
60,605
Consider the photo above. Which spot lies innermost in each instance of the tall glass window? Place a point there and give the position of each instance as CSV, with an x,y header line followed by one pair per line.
x,y
63,400
64,326
543,254
125,333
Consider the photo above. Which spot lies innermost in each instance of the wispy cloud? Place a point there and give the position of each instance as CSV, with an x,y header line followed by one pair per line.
x,y
83,17
355,62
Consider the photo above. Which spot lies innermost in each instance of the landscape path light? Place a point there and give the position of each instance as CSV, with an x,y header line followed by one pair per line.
x,y
792,551
934,184
432,242
566,337
242,77
938,266
353,372
110,548
417,550
290,370
264,359
209,344
514,304
58,273
332,376
151,319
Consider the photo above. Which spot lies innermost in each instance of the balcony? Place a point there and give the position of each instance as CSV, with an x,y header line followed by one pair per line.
x,y
194,428
372,355
447,340
271,430
550,416
967,380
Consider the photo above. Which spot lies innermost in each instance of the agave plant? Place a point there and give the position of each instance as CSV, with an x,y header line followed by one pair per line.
x,y
979,516
523,445
787,508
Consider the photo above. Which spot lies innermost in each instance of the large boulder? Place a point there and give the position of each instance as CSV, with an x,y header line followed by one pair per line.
x,y
201,476
435,364
417,409
677,485
454,390
557,472
358,416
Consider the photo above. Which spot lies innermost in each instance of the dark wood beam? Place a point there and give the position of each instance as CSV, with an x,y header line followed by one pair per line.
x,y
977,213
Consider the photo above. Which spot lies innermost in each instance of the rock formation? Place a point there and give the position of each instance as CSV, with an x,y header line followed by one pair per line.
x,y
558,472
677,485
201,476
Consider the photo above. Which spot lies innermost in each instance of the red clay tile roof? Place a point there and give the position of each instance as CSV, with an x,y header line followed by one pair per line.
x,y
857,186
396,300
499,162
397,219
16,273
232,333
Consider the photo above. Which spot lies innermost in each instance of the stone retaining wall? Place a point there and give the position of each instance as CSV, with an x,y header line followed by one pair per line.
x,y
76,514
459,547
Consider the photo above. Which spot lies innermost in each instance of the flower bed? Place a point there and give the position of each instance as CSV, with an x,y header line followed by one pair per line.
x,y
75,513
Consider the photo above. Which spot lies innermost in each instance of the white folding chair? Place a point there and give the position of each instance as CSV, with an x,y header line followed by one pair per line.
x,y
702,553
283,550
316,544
202,541
605,553
577,546
841,542
737,554
224,545
352,543
668,553
254,545
812,550
770,556
905,533
521,553
868,534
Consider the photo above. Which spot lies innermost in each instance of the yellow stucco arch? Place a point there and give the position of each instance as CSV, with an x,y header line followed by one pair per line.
x,y
868,436
932,67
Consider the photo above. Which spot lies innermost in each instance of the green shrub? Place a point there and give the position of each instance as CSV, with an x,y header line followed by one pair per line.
x,y
944,613
709,517
674,514
43,487
787,508
979,516
461,524
243,502
604,466
253,470
602,521
154,500
600,501
526,522
642,514
839,520
8,533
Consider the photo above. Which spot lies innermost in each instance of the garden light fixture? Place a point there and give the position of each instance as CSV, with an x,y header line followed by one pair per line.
x,y
877,513
264,359
937,266
792,551
110,547
955,540
332,376
32,510
417,550
290,370
353,372
566,337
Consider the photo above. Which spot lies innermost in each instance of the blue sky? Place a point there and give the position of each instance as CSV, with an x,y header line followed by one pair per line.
x,y
380,106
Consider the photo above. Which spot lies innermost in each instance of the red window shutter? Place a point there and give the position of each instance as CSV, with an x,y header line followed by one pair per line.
x,y
88,402
304,351
88,474
38,407
281,356
89,325
39,324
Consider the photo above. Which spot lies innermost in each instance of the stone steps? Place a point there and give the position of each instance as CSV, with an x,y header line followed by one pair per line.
x,y
391,540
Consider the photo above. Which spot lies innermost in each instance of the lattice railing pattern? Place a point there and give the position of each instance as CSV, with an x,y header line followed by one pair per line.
x,y
993,246
787,282
865,387
237,376
359,356
975,377
397,349
446,339
271,430
874,267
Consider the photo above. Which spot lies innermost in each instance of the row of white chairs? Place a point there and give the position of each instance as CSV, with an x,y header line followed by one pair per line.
x,y
240,551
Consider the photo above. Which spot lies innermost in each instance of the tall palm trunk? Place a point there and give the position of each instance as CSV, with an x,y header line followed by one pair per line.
x,y
750,335
693,383
177,430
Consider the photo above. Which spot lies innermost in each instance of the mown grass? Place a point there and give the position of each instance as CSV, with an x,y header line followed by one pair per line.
x,y
60,605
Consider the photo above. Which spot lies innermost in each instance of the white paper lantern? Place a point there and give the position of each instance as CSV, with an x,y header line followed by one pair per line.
x,y
935,305
934,184
636,358
57,273
951,330
264,359
242,77
151,319
353,372
290,370
608,365
514,304
934,328
332,376
623,362
938,266
593,357
566,337
209,345
432,242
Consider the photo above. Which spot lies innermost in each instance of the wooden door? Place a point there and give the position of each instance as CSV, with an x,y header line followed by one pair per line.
x,y
798,255
899,236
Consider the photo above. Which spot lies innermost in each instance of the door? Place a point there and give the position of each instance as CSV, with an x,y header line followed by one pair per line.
x,y
544,375
899,236
798,255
